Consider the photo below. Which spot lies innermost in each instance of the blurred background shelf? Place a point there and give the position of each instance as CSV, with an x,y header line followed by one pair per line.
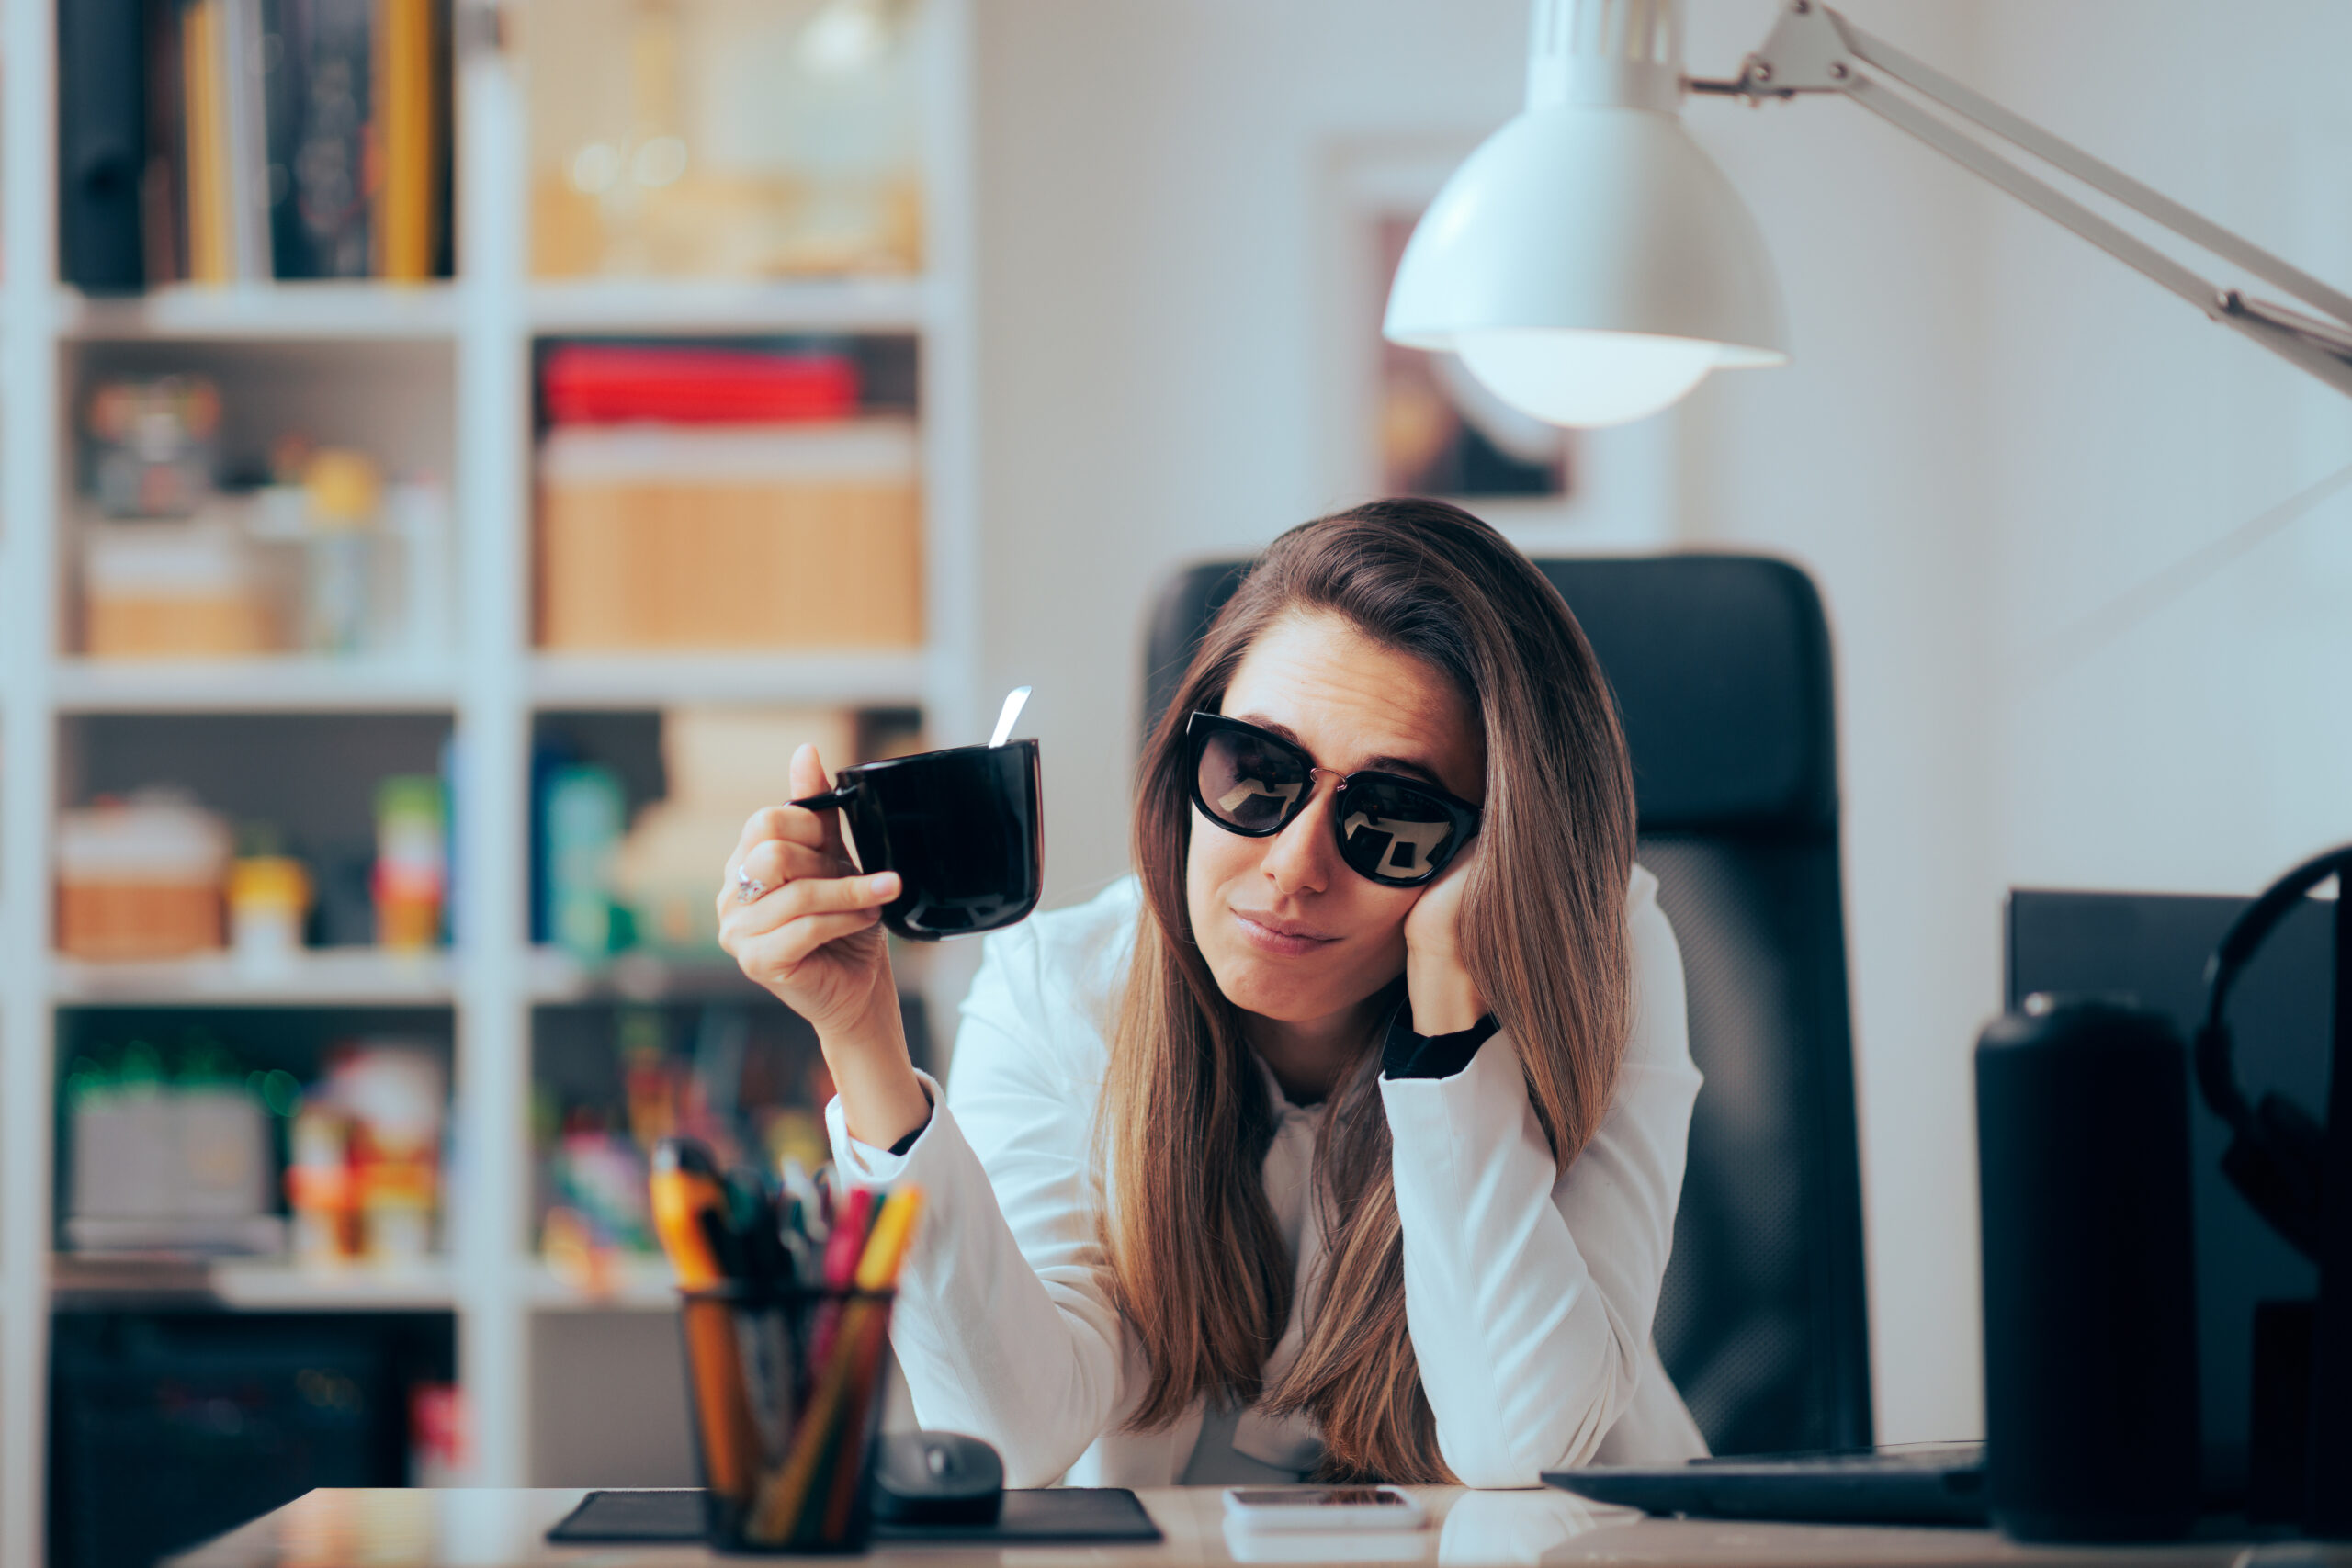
x,y
336,310
857,679
557,977
316,978
561,219
285,685
635,1282
79,1283
810,305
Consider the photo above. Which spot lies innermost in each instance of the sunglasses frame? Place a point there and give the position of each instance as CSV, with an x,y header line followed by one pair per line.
x,y
1201,726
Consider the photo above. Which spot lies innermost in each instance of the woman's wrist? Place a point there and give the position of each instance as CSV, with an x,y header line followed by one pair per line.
x,y
1444,1000
882,1100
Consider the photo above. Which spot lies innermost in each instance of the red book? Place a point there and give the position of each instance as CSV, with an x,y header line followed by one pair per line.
x,y
619,383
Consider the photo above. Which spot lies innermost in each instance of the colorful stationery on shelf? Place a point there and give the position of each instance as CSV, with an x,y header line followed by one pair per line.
x,y
751,1256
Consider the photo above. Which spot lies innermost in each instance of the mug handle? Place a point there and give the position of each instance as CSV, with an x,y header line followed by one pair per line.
x,y
841,794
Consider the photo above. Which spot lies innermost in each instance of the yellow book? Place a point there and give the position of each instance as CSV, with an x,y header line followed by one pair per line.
x,y
205,143
404,127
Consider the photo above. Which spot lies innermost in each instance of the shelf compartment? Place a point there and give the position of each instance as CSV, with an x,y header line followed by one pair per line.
x,y
306,781
849,679
289,684
310,311
356,977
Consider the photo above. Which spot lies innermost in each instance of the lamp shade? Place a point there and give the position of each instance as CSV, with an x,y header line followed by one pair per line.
x,y
1589,262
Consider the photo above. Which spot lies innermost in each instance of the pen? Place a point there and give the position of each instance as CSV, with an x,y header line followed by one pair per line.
x,y
885,1248
792,1233
800,1189
847,1241
877,1271
758,1237
844,1248
826,1181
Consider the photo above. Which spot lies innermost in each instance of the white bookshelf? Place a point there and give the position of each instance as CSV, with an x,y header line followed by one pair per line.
x,y
491,687
258,1285
833,305
293,312
251,685
599,681
334,977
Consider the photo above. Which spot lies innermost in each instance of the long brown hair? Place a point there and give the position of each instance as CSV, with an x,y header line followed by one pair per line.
x,y
1198,1268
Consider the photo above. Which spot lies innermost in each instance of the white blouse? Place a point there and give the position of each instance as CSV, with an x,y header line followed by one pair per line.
x,y
1529,1292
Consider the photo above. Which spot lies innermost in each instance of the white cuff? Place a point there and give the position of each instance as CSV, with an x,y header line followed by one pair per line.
x,y
863,1163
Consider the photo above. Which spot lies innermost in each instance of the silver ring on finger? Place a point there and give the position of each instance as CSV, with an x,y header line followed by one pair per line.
x,y
747,888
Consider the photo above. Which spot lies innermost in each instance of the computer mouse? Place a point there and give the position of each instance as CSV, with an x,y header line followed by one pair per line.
x,y
937,1478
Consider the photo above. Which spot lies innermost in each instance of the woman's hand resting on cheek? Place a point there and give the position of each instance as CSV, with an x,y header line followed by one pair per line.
x,y
811,933
1445,1001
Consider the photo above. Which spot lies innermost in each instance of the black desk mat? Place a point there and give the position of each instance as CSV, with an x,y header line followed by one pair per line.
x,y
1062,1514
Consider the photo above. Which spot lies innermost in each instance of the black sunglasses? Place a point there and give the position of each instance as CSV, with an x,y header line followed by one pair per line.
x,y
1395,830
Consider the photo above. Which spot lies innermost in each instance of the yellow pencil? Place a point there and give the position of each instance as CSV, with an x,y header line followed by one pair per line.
x,y
886,1249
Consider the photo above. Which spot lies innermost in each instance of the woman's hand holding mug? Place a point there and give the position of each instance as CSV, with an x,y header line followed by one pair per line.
x,y
799,919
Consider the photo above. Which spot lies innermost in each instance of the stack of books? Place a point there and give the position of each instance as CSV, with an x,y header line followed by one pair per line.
x,y
257,141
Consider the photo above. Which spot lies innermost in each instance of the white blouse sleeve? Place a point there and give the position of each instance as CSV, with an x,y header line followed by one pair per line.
x,y
1002,1324
1529,1290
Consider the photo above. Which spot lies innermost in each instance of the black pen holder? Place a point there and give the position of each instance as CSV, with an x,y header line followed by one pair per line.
x,y
786,1391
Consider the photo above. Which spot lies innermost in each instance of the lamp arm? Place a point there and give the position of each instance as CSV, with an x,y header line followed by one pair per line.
x,y
1811,49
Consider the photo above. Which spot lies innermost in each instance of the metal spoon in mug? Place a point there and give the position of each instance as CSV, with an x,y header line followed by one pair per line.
x,y
1011,711
839,795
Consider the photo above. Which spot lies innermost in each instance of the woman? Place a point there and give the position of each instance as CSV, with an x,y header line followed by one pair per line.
x,y
1344,1139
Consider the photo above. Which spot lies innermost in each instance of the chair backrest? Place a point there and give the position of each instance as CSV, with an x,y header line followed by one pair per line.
x,y
1721,664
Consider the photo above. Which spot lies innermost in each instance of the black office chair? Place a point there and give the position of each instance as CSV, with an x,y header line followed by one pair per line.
x,y
1722,669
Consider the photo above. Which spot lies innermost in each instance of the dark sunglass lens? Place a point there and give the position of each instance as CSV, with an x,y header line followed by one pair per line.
x,y
1393,831
1247,782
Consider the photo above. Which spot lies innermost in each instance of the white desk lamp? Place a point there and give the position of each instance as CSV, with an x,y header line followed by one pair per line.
x,y
1590,264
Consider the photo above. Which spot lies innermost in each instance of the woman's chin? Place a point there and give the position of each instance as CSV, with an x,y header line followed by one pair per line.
x,y
1275,988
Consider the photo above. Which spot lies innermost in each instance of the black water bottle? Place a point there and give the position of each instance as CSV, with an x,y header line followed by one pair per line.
x,y
2090,1325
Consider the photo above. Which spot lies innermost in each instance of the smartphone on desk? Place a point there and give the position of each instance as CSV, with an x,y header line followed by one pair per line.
x,y
1321,1508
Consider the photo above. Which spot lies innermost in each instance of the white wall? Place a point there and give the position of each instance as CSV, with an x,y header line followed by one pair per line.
x,y
2206,743
1989,431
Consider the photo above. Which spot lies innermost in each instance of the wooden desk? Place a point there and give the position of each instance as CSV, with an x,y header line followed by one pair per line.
x,y
507,1529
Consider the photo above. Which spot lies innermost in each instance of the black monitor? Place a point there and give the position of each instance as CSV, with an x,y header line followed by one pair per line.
x,y
2152,947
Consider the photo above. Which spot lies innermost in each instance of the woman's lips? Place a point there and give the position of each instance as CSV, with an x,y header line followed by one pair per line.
x,y
1281,937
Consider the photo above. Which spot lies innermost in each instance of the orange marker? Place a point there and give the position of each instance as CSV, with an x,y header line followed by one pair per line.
x,y
689,1211
683,1190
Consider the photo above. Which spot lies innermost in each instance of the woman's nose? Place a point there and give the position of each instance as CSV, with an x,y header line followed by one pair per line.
x,y
1299,857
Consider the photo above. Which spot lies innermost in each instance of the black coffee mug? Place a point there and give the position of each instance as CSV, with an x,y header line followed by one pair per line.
x,y
963,829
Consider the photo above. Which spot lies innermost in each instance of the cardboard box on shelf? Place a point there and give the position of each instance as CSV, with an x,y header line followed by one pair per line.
x,y
777,538
141,879
175,590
